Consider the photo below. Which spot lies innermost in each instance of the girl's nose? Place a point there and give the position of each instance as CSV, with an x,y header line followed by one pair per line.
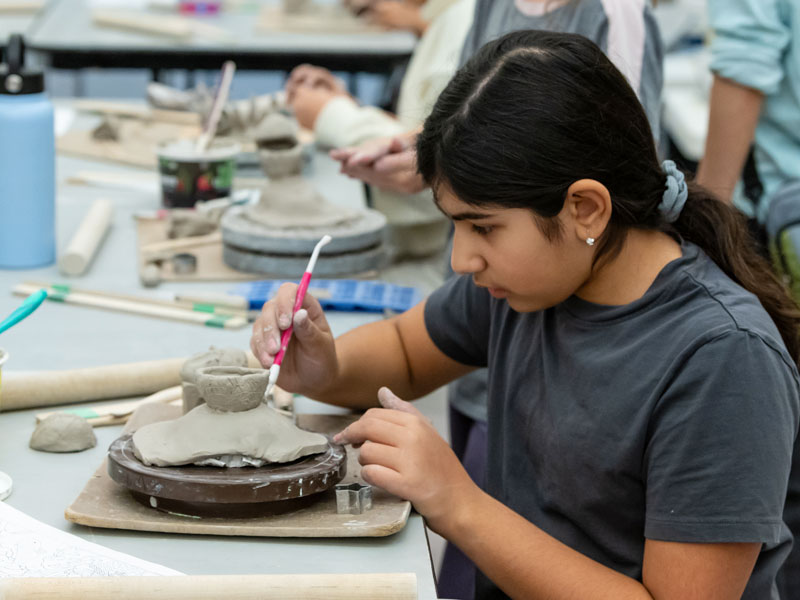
x,y
464,259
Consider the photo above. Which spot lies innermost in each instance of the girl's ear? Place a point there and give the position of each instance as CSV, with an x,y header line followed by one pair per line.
x,y
588,207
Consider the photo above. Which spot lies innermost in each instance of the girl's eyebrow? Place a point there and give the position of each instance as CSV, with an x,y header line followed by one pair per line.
x,y
469,216
462,216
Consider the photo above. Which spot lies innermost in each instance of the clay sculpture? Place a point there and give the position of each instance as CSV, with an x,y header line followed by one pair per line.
x,y
234,428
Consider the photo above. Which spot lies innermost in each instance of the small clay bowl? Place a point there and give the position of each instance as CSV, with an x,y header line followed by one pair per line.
x,y
232,389
281,162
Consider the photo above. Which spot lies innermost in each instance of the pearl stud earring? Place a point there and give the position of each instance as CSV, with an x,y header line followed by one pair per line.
x,y
590,241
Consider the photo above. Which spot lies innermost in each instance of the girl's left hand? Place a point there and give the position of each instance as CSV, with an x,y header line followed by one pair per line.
x,y
402,453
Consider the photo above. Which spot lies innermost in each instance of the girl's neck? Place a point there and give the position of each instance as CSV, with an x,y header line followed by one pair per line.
x,y
631,273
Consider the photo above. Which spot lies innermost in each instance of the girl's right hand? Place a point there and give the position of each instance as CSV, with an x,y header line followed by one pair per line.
x,y
309,365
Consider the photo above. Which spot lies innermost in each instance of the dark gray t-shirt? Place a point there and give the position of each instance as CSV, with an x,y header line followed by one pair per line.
x,y
670,418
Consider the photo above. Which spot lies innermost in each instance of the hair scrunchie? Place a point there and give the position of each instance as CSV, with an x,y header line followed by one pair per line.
x,y
675,194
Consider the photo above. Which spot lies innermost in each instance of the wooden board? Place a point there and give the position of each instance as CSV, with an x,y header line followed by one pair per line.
x,y
103,503
210,266
136,146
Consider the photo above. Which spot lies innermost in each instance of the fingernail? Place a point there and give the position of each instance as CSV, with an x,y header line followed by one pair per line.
x,y
338,437
301,318
284,320
273,344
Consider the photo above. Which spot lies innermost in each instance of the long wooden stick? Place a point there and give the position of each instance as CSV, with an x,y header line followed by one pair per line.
x,y
366,586
127,380
225,321
117,413
177,302
21,6
138,111
214,237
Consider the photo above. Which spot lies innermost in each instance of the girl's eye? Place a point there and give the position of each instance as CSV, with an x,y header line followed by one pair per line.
x,y
481,230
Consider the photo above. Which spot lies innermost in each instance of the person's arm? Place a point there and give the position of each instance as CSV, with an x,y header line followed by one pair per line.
x,y
705,461
734,114
747,53
387,163
350,370
402,453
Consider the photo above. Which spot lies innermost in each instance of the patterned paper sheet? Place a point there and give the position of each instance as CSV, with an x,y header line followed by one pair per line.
x,y
29,548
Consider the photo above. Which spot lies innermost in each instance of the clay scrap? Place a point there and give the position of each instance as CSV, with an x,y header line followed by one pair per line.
x,y
63,432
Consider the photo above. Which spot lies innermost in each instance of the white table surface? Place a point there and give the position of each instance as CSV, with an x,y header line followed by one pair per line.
x,y
60,336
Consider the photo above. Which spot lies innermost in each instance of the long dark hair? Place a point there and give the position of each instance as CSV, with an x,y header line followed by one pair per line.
x,y
535,111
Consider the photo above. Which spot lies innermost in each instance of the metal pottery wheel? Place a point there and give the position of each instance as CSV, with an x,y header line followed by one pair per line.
x,y
222,491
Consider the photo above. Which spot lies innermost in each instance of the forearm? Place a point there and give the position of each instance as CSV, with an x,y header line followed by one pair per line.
x,y
526,562
368,357
397,353
734,114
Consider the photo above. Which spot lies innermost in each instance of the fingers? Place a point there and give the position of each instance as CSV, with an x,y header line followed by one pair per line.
x,y
276,316
342,154
305,330
380,454
405,160
383,477
367,154
389,400
377,425
284,304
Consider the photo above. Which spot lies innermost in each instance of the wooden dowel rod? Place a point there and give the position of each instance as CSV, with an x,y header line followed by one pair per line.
x,y
177,302
368,586
118,412
87,239
138,307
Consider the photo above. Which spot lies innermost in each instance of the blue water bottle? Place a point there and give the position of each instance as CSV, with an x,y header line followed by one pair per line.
x,y
27,165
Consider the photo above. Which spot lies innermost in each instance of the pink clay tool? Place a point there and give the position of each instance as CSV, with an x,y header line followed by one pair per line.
x,y
275,369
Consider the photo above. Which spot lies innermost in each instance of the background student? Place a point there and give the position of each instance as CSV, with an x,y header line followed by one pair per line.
x,y
320,102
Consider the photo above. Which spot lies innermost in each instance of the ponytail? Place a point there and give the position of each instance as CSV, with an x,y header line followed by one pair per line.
x,y
721,231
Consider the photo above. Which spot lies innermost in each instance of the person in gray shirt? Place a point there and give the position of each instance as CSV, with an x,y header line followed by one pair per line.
x,y
644,393
628,33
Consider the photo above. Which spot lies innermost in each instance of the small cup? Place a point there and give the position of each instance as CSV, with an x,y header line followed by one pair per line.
x,y
189,176
232,389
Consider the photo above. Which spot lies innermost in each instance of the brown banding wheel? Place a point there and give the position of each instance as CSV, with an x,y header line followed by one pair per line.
x,y
222,491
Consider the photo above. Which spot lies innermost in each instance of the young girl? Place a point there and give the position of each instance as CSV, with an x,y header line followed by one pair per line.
x,y
643,390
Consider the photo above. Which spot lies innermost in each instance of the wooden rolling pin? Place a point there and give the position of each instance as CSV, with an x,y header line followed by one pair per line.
x,y
84,244
49,388
367,586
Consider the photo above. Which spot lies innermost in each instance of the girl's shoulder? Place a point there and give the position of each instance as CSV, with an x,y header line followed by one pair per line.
x,y
715,305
